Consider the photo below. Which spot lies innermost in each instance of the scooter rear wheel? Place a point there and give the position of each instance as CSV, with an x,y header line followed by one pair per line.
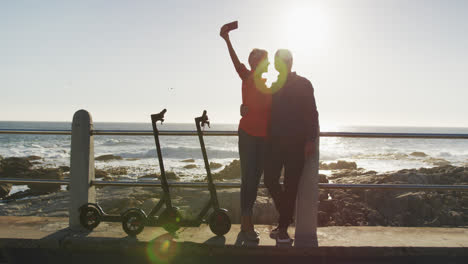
x,y
170,219
90,217
219,222
133,223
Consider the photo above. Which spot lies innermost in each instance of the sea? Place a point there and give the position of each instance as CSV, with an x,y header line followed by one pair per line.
x,y
139,152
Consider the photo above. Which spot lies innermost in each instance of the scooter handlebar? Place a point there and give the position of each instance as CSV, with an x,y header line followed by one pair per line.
x,y
203,119
158,117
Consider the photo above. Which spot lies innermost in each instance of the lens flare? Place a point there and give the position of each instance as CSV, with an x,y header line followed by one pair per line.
x,y
260,82
282,68
161,249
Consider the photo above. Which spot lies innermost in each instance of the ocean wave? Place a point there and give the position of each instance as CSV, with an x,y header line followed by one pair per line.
x,y
112,142
180,153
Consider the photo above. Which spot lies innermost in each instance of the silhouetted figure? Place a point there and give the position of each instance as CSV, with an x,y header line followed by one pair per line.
x,y
294,129
253,127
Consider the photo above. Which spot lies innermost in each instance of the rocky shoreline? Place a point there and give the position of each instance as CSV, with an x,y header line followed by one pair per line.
x,y
336,207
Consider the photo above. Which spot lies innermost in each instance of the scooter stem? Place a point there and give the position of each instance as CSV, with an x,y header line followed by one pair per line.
x,y
154,119
201,121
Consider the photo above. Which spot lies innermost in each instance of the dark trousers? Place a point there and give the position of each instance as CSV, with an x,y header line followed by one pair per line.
x,y
289,155
252,156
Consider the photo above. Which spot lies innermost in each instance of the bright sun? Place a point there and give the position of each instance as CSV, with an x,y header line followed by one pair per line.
x,y
306,28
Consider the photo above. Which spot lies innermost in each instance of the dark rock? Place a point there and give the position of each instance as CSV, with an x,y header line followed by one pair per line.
x,y
31,158
107,158
188,160
339,165
170,175
231,171
327,206
19,195
45,173
14,167
323,195
375,218
117,170
190,166
322,218
5,189
437,161
323,178
65,168
418,154
214,165
456,218
100,173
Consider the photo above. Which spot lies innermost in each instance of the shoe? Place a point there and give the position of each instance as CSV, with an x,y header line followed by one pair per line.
x,y
283,237
251,235
274,233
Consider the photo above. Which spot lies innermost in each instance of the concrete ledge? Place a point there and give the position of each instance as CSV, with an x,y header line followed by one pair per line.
x,y
49,240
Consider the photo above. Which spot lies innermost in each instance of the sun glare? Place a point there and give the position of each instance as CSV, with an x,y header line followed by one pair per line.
x,y
306,28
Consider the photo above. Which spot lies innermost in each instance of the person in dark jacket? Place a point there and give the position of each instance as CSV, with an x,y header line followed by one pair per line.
x,y
293,128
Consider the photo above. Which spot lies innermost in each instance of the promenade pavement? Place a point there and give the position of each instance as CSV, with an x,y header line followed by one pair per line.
x,y
50,233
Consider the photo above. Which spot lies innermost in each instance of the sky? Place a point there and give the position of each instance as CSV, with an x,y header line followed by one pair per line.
x,y
371,62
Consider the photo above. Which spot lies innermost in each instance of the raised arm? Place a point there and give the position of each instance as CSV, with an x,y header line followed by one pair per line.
x,y
224,33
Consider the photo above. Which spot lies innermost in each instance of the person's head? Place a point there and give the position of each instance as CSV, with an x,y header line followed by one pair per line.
x,y
258,60
283,61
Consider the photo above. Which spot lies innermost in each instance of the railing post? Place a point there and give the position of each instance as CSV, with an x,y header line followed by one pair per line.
x,y
81,166
307,202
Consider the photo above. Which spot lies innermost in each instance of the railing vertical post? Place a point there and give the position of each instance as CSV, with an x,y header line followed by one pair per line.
x,y
81,166
307,201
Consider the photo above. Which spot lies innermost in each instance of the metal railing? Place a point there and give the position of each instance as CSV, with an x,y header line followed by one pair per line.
x,y
228,185
232,133
237,185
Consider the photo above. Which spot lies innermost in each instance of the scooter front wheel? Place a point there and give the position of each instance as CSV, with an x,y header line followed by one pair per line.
x,y
133,223
170,219
219,222
90,217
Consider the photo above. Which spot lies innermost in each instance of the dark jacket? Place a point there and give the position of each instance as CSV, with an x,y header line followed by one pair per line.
x,y
294,116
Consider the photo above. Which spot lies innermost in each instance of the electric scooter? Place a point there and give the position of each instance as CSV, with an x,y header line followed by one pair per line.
x,y
135,219
218,221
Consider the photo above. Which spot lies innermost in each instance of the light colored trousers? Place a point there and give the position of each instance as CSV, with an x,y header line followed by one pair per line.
x,y
307,202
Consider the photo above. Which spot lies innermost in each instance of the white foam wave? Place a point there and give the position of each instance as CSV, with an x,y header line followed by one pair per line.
x,y
179,153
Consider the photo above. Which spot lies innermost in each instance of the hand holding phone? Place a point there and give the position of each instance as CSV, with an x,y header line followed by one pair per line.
x,y
225,29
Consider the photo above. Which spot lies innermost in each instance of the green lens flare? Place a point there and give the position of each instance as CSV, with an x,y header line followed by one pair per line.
x,y
282,68
161,249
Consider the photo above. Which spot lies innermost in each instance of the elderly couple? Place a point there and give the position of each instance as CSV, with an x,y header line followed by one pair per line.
x,y
279,128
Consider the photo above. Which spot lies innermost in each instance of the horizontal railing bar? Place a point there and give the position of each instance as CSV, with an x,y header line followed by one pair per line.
x,y
35,132
234,133
414,187
393,135
227,185
27,181
163,133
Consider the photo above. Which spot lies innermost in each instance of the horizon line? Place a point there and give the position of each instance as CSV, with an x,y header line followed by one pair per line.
x,y
224,123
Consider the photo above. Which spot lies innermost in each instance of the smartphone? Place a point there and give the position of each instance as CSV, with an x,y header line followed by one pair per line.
x,y
231,26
